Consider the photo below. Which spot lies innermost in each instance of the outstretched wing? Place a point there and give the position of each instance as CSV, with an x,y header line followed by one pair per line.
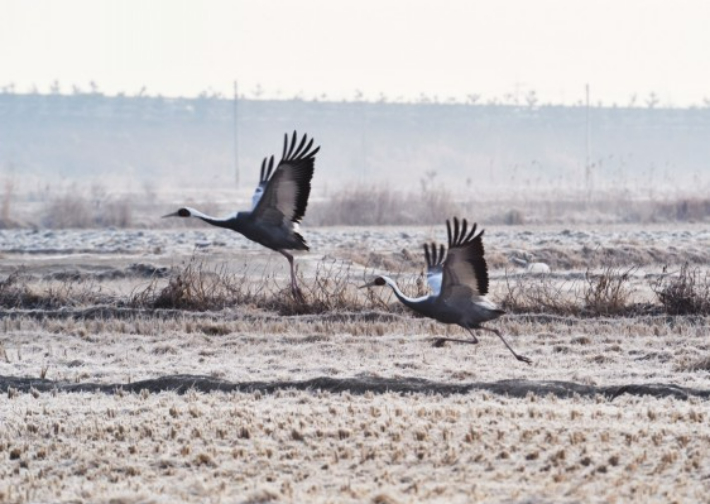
x,y
284,195
435,266
465,273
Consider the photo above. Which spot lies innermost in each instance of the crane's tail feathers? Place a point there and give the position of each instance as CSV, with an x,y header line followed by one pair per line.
x,y
300,242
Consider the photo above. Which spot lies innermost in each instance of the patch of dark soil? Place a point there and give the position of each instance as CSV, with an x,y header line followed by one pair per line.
x,y
359,385
109,311
85,273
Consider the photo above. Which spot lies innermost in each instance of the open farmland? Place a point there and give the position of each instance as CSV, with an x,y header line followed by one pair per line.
x,y
172,365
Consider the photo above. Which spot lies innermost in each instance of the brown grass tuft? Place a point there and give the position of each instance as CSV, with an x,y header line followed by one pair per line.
x,y
685,294
607,293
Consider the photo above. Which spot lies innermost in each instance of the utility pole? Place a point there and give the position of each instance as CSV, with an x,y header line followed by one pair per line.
x,y
588,148
236,135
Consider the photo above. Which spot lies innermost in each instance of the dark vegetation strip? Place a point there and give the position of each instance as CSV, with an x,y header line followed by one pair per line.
x,y
333,289
513,388
109,312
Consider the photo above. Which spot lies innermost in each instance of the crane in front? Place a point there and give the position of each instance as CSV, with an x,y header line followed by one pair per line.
x,y
459,283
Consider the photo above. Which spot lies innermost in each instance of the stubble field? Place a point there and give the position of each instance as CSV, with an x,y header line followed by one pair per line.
x,y
166,366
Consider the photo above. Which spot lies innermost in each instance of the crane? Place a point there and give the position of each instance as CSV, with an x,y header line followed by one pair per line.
x,y
459,283
278,204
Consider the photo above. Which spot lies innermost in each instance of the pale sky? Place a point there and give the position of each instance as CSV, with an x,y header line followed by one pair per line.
x,y
447,48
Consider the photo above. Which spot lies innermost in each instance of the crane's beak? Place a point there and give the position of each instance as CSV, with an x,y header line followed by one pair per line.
x,y
370,284
174,214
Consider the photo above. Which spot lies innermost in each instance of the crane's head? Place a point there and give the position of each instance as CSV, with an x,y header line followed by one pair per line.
x,y
182,212
377,282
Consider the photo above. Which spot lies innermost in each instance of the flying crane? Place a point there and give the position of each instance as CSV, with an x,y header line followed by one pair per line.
x,y
278,204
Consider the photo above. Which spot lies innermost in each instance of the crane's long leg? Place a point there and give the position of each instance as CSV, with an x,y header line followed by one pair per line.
x,y
521,358
439,342
294,285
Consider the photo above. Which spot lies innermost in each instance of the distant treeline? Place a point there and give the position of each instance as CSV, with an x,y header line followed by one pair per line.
x,y
146,140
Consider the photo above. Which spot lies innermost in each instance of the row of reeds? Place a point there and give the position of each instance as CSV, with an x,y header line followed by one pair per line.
x,y
334,288
359,204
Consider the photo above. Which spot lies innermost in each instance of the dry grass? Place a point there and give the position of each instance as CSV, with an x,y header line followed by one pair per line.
x,y
333,288
17,291
702,364
380,205
372,205
688,293
320,447
603,294
195,286
74,209
682,210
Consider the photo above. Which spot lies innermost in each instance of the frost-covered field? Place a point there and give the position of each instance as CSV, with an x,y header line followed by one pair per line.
x,y
348,441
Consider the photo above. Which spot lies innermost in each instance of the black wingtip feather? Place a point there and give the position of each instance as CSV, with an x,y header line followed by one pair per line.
x,y
293,144
300,146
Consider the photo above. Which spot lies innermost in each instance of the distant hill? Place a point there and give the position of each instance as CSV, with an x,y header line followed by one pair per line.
x,y
135,142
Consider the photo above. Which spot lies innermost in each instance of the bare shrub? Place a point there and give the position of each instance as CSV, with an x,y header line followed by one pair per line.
x,y
607,293
333,288
688,293
195,287
540,294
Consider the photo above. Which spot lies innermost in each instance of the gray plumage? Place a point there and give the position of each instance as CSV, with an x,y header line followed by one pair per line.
x,y
458,279
278,204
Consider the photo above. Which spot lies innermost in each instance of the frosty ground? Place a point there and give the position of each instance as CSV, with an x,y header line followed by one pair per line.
x,y
347,443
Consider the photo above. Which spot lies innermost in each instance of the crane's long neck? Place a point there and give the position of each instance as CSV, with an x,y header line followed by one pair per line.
x,y
231,222
413,303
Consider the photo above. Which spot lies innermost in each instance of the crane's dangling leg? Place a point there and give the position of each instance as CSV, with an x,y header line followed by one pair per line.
x,y
294,285
521,358
439,342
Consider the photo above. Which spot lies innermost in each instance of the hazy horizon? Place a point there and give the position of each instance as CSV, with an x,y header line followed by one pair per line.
x,y
327,50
